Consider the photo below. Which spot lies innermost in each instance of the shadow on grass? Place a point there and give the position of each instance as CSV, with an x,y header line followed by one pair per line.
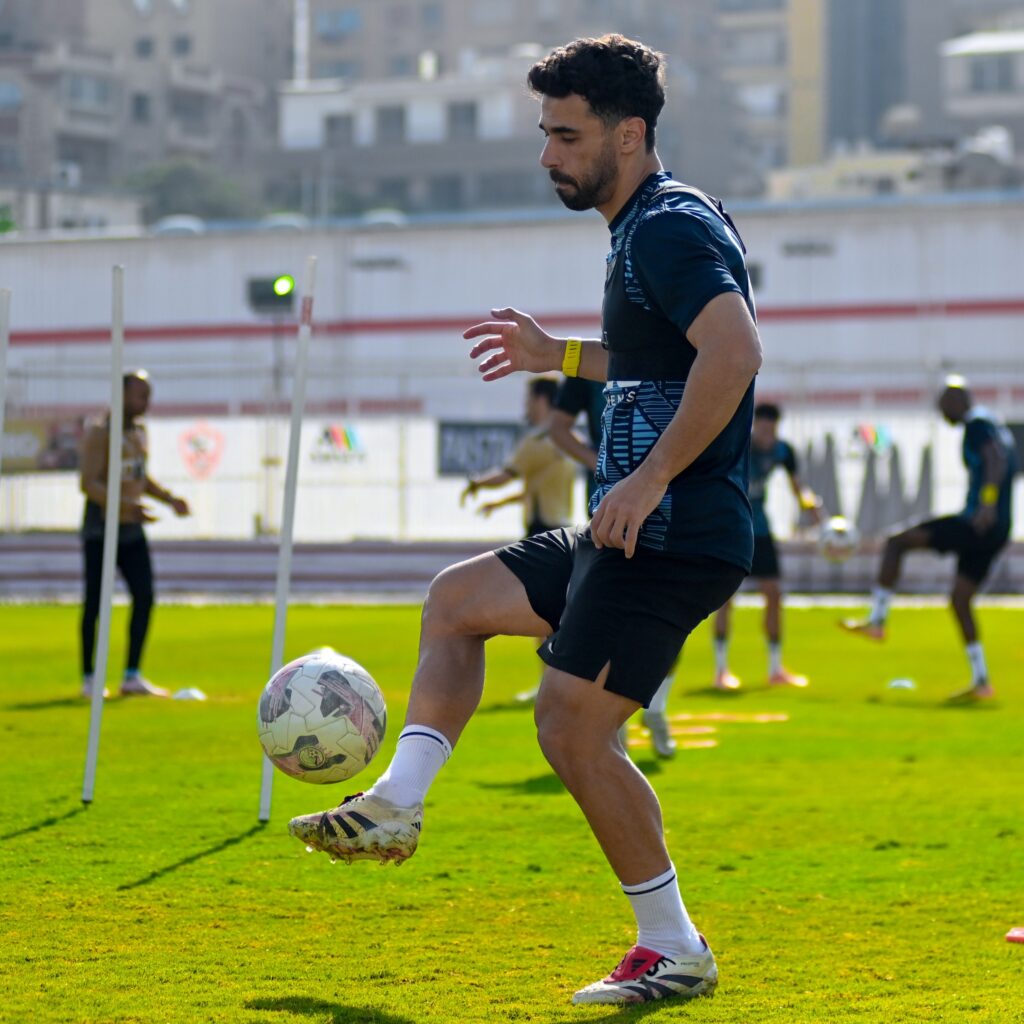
x,y
714,691
193,857
507,705
540,785
55,819
628,1013
49,705
304,1006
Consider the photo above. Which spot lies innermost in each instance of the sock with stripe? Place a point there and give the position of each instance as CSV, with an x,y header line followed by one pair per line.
x,y
660,699
721,654
661,919
421,753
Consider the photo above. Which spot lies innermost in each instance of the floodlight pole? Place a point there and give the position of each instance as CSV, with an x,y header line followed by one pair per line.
x,y
284,555
111,525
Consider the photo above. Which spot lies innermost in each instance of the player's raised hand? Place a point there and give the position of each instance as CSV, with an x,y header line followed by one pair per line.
x,y
512,341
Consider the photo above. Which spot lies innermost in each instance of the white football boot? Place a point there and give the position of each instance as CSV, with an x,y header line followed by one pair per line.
x,y
645,975
362,827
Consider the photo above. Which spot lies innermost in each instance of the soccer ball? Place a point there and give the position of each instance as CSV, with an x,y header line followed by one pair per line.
x,y
838,539
321,717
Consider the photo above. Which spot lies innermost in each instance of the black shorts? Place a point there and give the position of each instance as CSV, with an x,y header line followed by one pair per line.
x,y
765,565
976,551
633,613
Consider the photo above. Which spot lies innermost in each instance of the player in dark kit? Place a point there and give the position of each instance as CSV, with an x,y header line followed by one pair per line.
x,y
977,534
767,452
670,538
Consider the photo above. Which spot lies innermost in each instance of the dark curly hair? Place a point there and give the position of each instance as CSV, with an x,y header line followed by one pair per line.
x,y
618,77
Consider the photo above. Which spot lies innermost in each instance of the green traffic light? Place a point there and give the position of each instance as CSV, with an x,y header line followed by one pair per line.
x,y
284,285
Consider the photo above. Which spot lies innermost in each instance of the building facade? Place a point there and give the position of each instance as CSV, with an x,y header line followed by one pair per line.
x,y
93,90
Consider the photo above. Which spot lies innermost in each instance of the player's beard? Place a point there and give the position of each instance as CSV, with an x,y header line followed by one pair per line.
x,y
595,188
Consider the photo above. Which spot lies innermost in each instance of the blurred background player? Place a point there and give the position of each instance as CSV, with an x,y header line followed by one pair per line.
x,y
577,395
547,475
132,547
977,534
767,450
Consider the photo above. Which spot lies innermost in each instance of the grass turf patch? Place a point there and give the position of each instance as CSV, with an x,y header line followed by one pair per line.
x,y
859,861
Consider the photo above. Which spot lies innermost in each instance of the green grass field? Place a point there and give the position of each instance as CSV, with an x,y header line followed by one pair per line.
x,y
859,861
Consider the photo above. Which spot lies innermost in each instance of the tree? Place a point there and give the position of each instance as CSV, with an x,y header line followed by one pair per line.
x,y
182,186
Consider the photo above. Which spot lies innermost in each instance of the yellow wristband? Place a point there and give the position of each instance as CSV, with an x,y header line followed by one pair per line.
x,y
571,359
808,500
989,494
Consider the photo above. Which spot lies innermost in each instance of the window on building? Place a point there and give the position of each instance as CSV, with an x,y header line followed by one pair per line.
x,y
339,131
432,16
182,46
339,25
762,102
142,108
754,48
393,192
10,95
492,12
993,73
751,6
462,121
403,65
506,188
390,124
10,160
144,47
88,92
445,192
191,112
348,69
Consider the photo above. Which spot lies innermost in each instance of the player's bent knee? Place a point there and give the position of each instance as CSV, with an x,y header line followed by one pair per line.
x,y
453,602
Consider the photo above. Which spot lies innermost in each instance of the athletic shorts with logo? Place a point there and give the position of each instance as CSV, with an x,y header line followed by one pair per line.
x,y
603,608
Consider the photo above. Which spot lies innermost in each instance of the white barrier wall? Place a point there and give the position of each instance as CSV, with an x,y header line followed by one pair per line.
x,y
366,479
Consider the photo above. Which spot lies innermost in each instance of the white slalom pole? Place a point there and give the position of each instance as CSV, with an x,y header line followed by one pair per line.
x,y
5,338
291,480
111,523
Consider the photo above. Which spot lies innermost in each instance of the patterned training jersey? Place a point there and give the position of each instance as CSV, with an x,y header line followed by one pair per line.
x,y
980,428
762,462
673,249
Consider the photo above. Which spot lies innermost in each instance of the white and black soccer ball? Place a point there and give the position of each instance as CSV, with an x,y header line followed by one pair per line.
x,y
321,717
838,539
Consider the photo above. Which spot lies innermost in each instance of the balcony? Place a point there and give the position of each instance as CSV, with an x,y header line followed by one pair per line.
x,y
189,78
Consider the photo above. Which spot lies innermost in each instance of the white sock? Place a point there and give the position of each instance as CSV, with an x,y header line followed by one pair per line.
x,y
421,753
976,656
721,654
660,699
880,598
774,656
661,919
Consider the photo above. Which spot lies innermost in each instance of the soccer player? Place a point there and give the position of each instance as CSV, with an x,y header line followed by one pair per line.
x,y
767,450
577,395
546,473
132,547
977,534
670,537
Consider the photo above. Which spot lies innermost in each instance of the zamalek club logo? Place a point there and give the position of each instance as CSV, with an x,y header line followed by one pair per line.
x,y
338,443
201,447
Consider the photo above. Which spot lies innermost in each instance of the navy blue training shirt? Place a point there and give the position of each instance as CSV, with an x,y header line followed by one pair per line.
x,y
672,251
762,462
980,428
